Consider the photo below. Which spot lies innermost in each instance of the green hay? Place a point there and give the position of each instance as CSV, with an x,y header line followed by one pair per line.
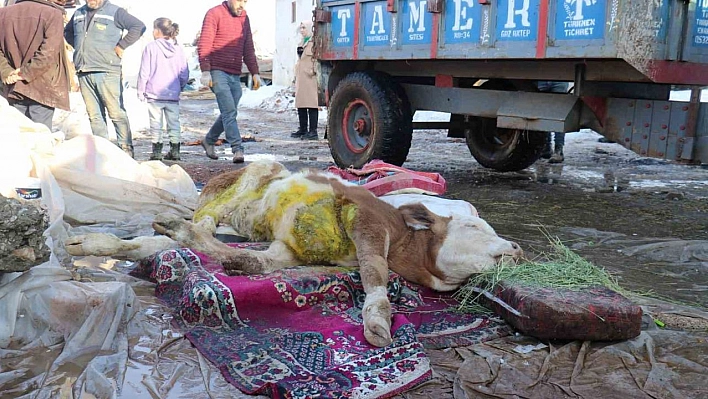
x,y
564,269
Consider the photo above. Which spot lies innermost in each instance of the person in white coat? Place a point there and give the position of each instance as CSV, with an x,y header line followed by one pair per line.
x,y
306,86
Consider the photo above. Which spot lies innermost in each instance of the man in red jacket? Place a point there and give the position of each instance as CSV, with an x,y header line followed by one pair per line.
x,y
225,44
33,63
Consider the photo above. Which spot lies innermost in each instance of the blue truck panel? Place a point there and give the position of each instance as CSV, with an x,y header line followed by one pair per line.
x,y
517,20
654,36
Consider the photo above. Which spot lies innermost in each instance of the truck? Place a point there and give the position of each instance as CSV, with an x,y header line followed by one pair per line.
x,y
480,60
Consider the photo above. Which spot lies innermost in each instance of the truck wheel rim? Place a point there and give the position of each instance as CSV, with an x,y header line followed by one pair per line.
x,y
357,126
502,139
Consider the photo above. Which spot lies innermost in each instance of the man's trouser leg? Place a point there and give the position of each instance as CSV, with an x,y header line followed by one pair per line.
x,y
94,105
559,139
40,113
110,90
227,88
214,131
36,112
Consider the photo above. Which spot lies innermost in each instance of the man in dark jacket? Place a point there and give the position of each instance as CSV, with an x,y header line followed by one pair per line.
x,y
96,33
33,64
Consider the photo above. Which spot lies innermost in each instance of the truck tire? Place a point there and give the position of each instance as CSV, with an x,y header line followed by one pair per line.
x,y
369,118
504,150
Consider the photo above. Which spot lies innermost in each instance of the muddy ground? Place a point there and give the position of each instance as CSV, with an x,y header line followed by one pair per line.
x,y
603,201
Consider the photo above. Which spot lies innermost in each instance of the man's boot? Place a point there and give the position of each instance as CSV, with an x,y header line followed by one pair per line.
x,y
209,149
156,152
312,115
173,155
302,117
238,156
547,149
557,156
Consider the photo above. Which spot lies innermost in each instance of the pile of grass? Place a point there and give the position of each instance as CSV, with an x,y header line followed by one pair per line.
x,y
562,268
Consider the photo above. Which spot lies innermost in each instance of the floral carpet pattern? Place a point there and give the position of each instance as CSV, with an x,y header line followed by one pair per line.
x,y
297,333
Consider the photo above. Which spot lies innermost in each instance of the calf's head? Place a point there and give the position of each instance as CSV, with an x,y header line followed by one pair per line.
x,y
465,244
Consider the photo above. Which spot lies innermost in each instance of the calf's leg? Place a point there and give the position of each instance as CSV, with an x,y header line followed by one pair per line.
x,y
371,251
235,260
104,244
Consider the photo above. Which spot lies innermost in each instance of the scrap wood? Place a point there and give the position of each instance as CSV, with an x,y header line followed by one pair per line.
x,y
565,297
220,142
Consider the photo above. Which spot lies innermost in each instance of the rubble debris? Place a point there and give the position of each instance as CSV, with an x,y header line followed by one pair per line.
x,y
282,101
21,242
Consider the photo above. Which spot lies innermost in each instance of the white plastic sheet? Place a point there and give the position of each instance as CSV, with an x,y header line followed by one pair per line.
x,y
88,180
60,337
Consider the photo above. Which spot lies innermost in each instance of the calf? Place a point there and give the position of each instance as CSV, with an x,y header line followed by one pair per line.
x,y
315,218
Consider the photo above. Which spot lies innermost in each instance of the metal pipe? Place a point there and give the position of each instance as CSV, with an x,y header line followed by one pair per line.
x,y
579,83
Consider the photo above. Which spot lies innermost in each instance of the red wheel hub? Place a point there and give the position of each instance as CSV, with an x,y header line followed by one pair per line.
x,y
357,126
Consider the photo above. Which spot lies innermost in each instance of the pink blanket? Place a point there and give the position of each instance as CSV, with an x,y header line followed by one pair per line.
x,y
382,178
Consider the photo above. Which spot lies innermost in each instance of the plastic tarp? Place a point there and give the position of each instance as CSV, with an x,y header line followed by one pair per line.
x,y
67,331
657,364
101,188
103,185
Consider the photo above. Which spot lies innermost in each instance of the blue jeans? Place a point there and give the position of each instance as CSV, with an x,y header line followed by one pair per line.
x,y
160,112
547,86
227,88
559,139
104,91
554,87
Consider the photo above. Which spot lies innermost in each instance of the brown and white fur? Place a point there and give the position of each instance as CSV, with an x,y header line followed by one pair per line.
x,y
422,247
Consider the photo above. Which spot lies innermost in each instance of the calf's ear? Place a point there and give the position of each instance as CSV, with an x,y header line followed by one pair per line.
x,y
417,216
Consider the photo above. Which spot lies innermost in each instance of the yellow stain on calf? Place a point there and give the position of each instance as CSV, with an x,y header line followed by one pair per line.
x,y
226,201
320,232
322,227
297,193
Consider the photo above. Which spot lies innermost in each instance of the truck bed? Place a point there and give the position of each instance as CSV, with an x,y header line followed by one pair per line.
x,y
659,41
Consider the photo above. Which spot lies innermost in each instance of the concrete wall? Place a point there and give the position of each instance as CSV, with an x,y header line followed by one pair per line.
x,y
287,37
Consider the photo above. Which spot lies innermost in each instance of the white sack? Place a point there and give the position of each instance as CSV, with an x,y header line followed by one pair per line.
x,y
101,184
439,206
21,138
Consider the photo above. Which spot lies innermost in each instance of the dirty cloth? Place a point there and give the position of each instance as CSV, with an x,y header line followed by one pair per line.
x,y
299,331
382,178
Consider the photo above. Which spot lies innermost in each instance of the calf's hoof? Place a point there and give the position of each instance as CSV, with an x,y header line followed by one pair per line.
x,y
174,227
97,244
377,319
377,331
